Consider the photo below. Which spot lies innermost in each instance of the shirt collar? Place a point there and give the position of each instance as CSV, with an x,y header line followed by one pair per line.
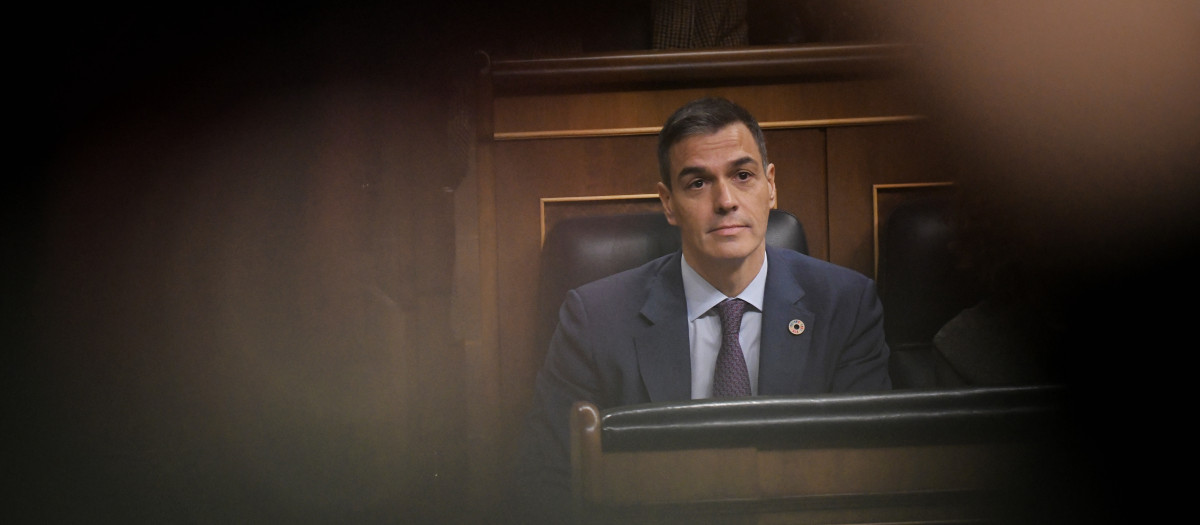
x,y
702,296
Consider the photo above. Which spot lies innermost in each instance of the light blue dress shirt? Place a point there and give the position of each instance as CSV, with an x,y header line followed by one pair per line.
x,y
704,327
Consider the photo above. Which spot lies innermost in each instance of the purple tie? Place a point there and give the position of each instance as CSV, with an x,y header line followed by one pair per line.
x,y
731,379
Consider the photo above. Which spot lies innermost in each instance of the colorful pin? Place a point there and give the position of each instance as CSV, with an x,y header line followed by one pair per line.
x,y
796,327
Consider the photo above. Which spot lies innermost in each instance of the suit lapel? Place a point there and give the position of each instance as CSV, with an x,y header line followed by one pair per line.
x,y
662,345
782,355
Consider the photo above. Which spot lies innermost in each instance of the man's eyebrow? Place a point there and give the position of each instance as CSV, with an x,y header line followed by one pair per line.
x,y
691,170
744,161
696,170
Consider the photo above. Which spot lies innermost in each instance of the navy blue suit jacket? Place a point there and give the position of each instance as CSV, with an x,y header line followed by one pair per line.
x,y
623,340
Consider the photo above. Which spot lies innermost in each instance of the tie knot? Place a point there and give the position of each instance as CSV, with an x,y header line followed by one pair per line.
x,y
731,315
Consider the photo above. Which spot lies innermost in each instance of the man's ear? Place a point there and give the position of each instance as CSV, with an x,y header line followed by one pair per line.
x,y
664,196
771,182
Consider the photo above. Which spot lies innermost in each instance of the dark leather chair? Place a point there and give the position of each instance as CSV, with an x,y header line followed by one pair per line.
x,y
579,250
964,454
921,288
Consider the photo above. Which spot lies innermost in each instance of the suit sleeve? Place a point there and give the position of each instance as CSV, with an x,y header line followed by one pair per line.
x,y
567,376
863,363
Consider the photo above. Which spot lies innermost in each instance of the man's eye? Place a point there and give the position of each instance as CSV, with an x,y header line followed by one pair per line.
x,y
744,175
696,184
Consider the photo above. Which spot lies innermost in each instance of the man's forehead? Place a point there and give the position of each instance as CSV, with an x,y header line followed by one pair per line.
x,y
735,137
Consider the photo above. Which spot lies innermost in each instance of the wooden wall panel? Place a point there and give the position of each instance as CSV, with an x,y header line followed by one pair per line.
x,y
860,157
800,186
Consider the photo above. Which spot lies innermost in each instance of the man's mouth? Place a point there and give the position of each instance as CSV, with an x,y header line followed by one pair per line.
x,y
728,229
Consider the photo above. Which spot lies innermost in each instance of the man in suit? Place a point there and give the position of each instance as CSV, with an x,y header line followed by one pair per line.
x,y
666,331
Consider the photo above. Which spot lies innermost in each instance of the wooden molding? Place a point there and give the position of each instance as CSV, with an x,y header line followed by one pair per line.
x,y
693,67
621,132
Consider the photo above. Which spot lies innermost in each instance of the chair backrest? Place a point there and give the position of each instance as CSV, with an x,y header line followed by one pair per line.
x,y
579,250
920,285
921,288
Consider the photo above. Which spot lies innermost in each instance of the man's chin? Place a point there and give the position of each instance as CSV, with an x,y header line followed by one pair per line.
x,y
731,253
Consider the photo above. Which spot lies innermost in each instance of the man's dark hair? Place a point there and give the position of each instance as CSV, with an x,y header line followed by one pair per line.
x,y
703,117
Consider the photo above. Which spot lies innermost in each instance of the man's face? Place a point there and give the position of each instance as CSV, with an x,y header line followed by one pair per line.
x,y
720,197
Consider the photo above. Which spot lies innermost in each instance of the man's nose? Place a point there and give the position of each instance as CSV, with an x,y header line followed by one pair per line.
x,y
723,197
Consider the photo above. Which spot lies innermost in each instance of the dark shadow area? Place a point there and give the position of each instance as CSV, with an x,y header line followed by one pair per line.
x,y
1072,132
228,296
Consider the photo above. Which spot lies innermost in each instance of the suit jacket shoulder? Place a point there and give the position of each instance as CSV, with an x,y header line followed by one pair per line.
x,y
636,324
822,328
816,274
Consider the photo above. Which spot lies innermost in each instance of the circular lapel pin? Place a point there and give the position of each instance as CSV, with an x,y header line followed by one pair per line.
x,y
796,327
